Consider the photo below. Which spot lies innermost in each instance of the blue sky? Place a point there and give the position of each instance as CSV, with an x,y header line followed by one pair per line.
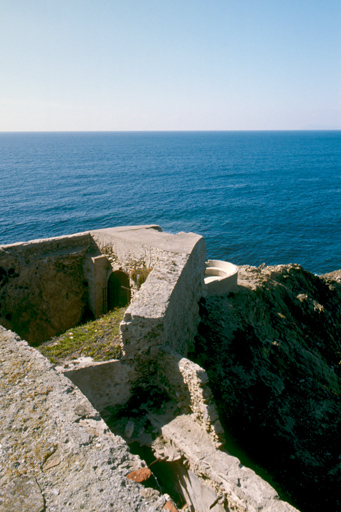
x,y
170,65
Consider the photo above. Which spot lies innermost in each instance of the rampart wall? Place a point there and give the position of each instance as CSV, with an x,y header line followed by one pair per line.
x,y
52,433
42,286
48,286
56,452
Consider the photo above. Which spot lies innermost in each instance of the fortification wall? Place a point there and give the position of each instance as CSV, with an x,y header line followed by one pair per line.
x,y
52,434
164,312
42,286
56,452
48,286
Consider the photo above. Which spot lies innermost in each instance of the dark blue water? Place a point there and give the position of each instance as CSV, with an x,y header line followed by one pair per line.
x,y
272,197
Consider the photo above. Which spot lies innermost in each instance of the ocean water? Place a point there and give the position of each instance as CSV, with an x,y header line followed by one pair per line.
x,y
256,197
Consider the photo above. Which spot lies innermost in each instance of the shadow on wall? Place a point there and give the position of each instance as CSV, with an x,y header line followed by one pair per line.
x,y
52,285
118,291
43,290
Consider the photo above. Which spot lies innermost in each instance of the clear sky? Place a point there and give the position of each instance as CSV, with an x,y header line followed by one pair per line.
x,y
170,65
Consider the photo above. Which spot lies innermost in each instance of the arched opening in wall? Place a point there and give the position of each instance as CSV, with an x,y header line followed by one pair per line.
x,y
119,293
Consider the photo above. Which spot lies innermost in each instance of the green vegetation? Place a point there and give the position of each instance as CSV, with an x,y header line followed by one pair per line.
x,y
98,339
139,276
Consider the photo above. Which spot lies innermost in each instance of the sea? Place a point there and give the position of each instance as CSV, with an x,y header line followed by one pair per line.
x,y
257,197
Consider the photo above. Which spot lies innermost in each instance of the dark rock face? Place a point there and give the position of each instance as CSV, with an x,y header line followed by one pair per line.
x,y
272,351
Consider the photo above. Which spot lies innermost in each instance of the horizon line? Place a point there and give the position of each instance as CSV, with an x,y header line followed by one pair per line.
x,y
177,131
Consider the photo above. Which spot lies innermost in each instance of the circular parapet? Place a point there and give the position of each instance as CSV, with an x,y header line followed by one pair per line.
x,y
220,277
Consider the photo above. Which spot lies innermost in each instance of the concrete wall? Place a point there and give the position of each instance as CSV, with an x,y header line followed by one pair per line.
x,y
214,480
164,312
96,271
48,285
56,452
221,277
187,384
182,315
105,384
42,286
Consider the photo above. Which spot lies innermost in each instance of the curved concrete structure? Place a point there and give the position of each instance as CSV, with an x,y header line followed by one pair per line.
x,y
220,277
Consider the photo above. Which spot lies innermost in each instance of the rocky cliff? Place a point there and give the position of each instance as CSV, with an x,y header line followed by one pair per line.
x,y
272,350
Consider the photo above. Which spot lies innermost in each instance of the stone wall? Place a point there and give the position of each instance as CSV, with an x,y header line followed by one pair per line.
x,y
56,452
187,383
164,311
105,384
182,316
42,287
48,286
213,480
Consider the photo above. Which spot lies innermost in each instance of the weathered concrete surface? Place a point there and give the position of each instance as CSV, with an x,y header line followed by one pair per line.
x,y
42,289
214,480
221,277
47,286
56,453
272,352
164,312
187,384
105,384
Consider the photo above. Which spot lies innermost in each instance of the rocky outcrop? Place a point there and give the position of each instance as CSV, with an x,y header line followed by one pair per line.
x,y
272,351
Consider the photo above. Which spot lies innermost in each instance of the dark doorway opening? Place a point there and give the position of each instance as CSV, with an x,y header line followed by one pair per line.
x,y
119,292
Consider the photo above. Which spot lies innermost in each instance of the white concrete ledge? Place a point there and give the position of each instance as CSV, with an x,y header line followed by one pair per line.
x,y
220,277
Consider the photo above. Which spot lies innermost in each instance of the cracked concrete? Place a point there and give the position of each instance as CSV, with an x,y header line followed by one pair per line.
x,y
56,452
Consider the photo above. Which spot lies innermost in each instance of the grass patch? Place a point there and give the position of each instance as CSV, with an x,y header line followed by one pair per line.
x,y
139,276
98,339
